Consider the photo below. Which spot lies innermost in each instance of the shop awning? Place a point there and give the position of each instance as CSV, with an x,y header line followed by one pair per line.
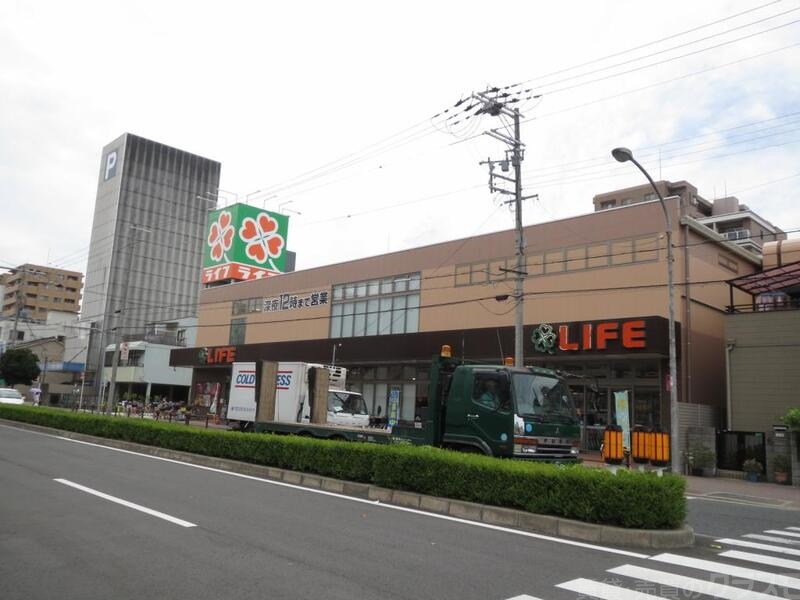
x,y
785,278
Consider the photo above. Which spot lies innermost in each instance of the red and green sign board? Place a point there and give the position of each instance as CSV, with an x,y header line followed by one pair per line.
x,y
244,242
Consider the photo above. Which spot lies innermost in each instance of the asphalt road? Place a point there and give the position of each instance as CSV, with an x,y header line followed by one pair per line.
x,y
236,537
738,515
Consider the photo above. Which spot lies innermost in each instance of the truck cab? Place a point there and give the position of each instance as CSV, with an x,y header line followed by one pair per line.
x,y
499,410
347,408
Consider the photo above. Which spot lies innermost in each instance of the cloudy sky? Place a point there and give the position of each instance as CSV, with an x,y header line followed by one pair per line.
x,y
327,109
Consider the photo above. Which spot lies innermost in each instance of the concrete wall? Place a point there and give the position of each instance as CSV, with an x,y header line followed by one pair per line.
x,y
157,369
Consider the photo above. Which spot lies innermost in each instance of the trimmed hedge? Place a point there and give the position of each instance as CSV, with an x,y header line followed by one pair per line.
x,y
627,499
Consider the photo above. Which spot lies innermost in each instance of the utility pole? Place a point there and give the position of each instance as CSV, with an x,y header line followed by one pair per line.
x,y
492,105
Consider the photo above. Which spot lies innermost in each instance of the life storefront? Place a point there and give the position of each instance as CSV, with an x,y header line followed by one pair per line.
x,y
612,365
606,362
211,379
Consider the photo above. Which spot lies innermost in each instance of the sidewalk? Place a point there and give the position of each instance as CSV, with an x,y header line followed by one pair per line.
x,y
725,488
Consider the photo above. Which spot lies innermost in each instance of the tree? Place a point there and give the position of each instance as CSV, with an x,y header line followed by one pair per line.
x,y
19,365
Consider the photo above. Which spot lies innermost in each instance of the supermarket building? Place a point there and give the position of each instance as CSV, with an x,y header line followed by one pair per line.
x,y
595,305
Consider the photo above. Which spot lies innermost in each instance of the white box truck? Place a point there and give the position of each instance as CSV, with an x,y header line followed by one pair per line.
x,y
345,408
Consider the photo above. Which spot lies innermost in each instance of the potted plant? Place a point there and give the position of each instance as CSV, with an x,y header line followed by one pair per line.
x,y
753,469
704,461
782,465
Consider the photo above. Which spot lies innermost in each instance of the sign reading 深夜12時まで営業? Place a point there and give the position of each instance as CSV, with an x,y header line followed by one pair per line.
x,y
244,242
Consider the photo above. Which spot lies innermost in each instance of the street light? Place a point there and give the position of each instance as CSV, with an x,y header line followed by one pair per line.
x,y
625,155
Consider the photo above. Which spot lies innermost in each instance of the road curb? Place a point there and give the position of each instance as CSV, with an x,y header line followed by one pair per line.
x,y
492,515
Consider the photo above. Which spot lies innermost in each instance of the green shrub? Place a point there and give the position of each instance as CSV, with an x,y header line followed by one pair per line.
x,y
792,419
627,499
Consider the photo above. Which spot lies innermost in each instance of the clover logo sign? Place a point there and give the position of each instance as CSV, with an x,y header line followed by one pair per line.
x,y
544,339
262,238
220,236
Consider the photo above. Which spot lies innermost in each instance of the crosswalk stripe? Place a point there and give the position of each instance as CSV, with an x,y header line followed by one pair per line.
x,y
603,591
756,546
726,569
524,597
691,584
794,528
781,532
771,538
783,563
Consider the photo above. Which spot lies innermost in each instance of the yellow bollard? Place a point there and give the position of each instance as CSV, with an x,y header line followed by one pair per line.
x,y
612,445
639,441
660,449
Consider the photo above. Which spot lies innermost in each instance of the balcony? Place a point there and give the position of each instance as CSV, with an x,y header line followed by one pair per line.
x,y
736,234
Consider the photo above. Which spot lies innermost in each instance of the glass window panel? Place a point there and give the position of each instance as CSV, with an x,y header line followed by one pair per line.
x,y
554,261
415,282
535,264
372,317
462,275
349,291
336,327
408,401
647,369
399,315
373,287
622,252
394,372
412,314
361,289
401,283
412,320
381,372
598,256
381,390
368,391
646,248
386,286
237,332
359,320
497,270
480,273
576,259
385,317
347,325
338,292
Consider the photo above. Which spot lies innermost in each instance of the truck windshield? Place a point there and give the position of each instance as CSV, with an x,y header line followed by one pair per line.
x,y
543,397
343,402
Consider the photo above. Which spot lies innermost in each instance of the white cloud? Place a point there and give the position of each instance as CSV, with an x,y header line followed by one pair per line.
x,y
275,90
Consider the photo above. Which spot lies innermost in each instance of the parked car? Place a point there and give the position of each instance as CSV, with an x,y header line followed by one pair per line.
x,y
10,396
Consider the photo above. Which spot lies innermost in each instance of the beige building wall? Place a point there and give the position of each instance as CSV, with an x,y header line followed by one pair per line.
x,y
609,264
38,289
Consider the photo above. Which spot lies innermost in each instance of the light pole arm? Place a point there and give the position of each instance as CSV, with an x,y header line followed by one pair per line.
x,y
660,197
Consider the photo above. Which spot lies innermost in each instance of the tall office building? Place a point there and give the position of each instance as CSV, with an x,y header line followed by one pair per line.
x,y
146,249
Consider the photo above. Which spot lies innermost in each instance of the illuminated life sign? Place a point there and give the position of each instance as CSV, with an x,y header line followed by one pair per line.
x,y
600,336
217,355
243,243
